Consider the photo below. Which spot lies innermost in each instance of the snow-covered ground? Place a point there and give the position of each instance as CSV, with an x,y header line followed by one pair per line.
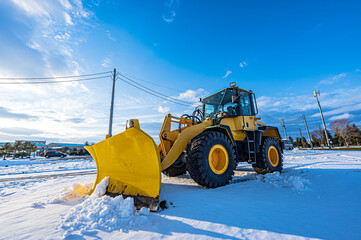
x,y
317,196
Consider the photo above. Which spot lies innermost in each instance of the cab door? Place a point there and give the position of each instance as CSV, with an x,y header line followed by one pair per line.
x,y
248,111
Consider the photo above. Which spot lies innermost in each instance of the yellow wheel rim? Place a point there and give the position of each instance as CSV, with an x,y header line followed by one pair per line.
x,y
218,159
273,156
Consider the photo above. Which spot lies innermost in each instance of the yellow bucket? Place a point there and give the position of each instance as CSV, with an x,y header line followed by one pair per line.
x,y
131,161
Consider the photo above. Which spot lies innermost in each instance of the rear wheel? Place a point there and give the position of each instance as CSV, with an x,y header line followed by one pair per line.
x,y
270,158
178,167
211,159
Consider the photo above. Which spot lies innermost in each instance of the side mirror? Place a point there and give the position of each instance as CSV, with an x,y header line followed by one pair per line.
x,y
235,99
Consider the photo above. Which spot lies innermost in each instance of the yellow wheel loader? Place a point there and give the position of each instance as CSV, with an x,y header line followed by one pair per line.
x,y
208,144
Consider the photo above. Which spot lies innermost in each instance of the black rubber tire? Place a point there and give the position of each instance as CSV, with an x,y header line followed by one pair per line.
x,y
263,164
198,164
178,168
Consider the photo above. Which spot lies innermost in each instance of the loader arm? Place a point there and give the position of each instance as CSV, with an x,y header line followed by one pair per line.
x,y
172,143
181,143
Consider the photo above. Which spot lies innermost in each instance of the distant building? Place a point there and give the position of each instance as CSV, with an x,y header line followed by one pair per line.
x,y
62,146
41,145
38,144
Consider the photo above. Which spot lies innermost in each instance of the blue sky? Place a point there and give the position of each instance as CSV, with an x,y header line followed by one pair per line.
x,y
282,50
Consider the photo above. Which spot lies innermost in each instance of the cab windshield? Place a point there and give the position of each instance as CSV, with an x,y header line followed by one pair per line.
x,y
222,102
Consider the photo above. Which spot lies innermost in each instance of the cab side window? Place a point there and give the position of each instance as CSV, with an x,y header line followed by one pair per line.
x,y
210,111
246,106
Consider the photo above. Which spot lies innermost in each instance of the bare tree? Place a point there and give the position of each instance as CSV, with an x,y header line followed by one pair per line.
x,y
342,128
317,136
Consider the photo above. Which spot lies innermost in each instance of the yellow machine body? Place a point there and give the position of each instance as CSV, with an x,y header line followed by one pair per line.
x,y
133,162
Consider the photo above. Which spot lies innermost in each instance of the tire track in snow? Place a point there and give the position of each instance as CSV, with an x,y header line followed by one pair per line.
x,y
69,174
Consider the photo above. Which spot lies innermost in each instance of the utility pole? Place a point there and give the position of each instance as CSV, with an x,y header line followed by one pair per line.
x,y
323,120
112,106
308,132
300,132
284,127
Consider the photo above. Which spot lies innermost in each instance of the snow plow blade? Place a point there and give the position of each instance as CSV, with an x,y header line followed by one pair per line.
x,y
131,160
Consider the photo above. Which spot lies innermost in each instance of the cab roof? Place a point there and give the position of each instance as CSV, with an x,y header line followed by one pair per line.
x,y
230,88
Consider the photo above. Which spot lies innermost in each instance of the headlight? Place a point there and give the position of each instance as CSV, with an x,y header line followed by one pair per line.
x,y
130,124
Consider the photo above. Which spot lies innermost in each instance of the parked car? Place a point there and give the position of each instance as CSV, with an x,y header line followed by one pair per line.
x,y
287,144
50,154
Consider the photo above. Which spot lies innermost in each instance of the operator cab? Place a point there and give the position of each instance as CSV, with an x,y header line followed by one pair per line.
x,y
230,102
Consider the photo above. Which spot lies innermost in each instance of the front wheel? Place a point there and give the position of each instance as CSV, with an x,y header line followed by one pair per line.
x,y
211,159
270,158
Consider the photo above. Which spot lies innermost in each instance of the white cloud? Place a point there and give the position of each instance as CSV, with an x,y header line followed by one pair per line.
x,y
169,16
345,115
33,7
286,104
227,74
80,10
51,33
106,63
341,110
169,13
66,4
68,19
242,64
333,79
163,109
54,34
192,95
110,36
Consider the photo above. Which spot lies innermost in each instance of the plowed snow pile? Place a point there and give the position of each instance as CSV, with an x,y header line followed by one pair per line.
x,y
284,181
102,212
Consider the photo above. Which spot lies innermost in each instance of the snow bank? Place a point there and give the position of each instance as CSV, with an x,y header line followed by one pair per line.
x,y
103,213
101,188
26,166
284,180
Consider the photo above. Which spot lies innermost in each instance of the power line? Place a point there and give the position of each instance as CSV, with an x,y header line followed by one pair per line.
x,y
275,119
46,82
294,120
48,78
149,89
153,94
142,80
269,116
272,118
175,99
